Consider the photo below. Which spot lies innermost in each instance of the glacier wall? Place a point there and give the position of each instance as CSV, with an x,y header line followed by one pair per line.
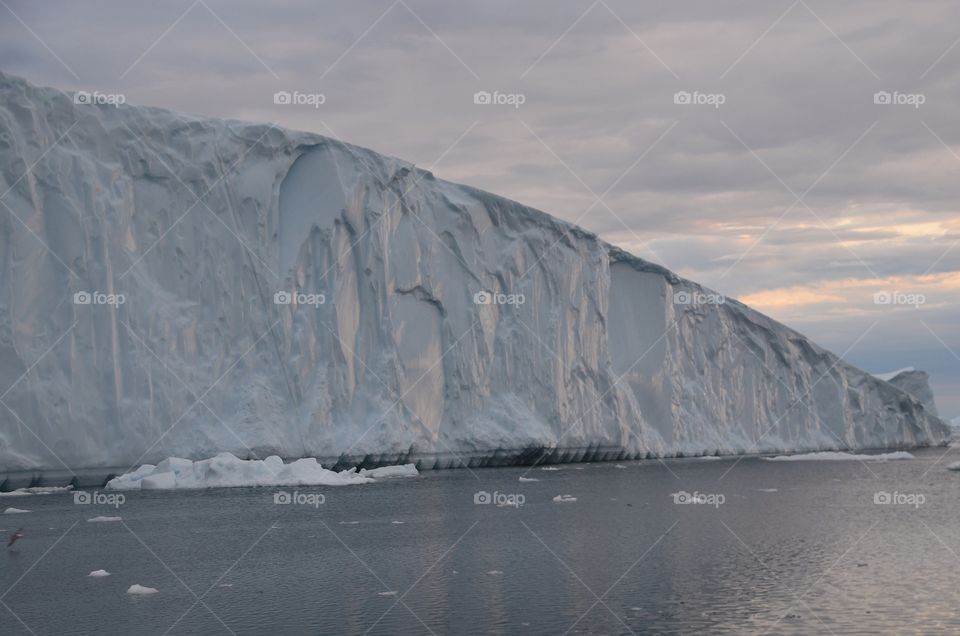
x,y
200,223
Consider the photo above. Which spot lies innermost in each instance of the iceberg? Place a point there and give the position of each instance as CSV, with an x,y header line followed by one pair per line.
x,y
141,590
180,286
915,383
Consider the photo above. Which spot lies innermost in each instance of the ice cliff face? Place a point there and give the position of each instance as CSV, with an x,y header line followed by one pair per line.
x,y
386,349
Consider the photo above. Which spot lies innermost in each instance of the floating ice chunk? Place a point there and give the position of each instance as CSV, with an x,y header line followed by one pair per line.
x,y
397,523
619,466
36,490
528,479
953,466
495,572
388,472
99,574
549,468
104,519
14,511
391,593
226,470
836,456
767,489
141,590
564,499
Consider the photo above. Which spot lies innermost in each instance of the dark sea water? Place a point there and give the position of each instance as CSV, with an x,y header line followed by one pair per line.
x,y
794,548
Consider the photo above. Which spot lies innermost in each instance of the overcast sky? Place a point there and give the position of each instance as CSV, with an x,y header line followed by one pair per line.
x,y
787,185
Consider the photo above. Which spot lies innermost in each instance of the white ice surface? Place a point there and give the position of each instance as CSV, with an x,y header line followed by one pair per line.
x,y
141,590
99,573
836,456
389,472
226,471
14,511
104,519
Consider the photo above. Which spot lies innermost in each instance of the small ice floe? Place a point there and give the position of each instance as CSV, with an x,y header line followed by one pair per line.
x,y
837,456
99,574
226,585
390,593
14,511
389,472
349,523
549,468
564,499
397,523
619,466
104,519
226,470
495,572
36,490
767,489
953,466
141,590
528,479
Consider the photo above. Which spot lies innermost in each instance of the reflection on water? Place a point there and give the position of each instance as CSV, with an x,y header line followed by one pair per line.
x,y
780,548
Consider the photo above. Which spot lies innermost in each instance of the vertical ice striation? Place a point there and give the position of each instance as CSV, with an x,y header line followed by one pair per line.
x,y
385,347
